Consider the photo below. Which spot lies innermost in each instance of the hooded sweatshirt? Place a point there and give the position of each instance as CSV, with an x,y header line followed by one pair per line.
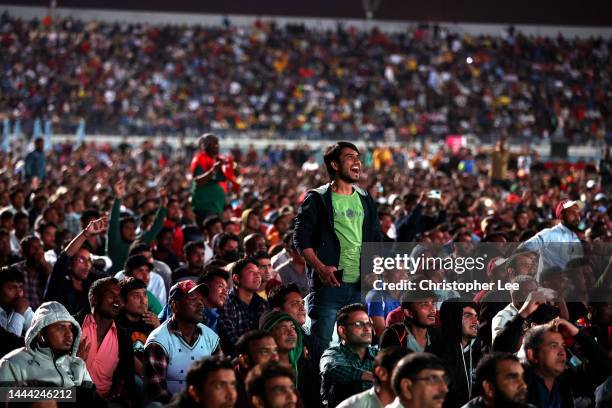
x,y
306,377
34,362
459,362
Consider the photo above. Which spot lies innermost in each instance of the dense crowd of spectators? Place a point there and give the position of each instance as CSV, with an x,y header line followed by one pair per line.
x,y
153,79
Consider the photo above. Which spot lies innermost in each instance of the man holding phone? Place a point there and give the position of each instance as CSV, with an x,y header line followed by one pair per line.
x,y
331,225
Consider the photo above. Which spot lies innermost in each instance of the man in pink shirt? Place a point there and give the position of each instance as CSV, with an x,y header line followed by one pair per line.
x,y
105,347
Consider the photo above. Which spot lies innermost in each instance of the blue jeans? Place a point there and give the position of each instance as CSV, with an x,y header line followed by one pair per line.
x,y
323,305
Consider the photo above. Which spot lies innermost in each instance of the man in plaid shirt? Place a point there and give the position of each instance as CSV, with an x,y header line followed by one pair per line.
x,y
35,270
243,306
347,369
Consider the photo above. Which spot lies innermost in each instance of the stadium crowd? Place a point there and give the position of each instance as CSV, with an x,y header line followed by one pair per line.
x,y
237,281
427,81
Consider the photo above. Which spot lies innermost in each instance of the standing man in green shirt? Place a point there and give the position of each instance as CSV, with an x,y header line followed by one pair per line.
x,y
331,225
210,172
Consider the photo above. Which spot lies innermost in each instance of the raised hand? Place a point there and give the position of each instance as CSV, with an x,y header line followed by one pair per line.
x,y
119,188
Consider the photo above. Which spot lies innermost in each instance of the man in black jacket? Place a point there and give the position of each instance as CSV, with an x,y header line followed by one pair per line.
x,y
458,347
331,225
550,382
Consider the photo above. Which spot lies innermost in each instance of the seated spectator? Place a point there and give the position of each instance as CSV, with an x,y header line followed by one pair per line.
x,y
173,223
458,348
21,228
7,255
225,247
139,267
288,299
262,259
164,249
294,269
177,343
215,280
160,278
254,347
381,394
15,313
288,336
281,223
135,318
212,226
271,385
122,230
211,383
73,274
195,256
419,381
500,376
347,369
50,352
243,307
417,331
284,255
527,284
381,302
35,270
254,243
107,349
547,376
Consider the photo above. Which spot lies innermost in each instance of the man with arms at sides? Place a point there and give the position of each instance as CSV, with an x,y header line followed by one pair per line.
x,y
254,347
270,385
331,225
178,342
381,394
419,381
346,369
107,349
500,375
211,383
417,331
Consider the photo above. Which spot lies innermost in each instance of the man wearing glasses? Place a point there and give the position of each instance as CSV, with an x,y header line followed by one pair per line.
x,y
347,369
419,381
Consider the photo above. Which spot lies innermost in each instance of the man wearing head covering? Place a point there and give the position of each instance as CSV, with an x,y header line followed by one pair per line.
x,y
50,353
289,338
180,341
560,244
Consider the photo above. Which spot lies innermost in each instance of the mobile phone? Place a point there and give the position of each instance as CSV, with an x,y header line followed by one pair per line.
x,y
338,273
435,194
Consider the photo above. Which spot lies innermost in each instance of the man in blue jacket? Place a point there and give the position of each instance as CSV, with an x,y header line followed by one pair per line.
x,y
331,225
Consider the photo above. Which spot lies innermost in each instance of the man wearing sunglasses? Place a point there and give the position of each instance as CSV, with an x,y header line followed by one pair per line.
x,y
347,369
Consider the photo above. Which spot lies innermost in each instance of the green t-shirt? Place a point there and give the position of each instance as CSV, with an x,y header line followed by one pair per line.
x,y
348,222
154,305
210,196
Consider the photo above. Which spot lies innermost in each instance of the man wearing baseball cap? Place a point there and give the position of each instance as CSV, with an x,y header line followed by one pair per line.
x,y
560,244
180,341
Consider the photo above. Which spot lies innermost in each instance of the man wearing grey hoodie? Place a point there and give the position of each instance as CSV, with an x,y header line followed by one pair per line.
x,y
50,354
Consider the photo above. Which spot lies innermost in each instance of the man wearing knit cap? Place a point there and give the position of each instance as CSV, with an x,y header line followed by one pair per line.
x,y
560,244
289,338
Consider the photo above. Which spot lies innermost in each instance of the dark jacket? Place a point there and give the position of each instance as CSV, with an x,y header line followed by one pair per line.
x,y
459,362
409,226
60,287
314,227
125,368
594,370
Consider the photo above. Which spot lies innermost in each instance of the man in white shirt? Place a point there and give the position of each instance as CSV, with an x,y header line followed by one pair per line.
x,y
560,244
525,293
15,312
